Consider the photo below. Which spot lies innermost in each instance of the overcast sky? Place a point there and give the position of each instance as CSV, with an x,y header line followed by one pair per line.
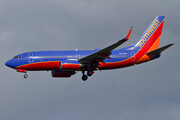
x,y
149,91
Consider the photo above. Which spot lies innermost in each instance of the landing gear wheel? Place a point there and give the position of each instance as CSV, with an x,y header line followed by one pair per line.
x,y
25,76
90,73
84,77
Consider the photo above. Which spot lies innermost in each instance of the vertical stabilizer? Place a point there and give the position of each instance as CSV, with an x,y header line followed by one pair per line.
x,y
150,39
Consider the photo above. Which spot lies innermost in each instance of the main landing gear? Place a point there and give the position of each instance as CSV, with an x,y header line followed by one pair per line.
x,y
89,73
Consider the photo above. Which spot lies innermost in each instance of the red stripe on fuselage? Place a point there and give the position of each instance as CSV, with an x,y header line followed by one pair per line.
x,y
113,65
50,65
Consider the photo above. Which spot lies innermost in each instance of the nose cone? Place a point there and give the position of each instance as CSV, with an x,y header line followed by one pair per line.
x,y
10,63
7,63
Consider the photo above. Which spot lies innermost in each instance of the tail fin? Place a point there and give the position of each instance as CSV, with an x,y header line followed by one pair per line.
x,y
149,41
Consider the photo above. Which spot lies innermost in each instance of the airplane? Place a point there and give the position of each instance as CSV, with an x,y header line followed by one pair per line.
x,y
67,63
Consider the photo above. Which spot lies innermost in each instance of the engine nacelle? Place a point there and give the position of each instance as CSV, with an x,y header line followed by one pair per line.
x,y
62,73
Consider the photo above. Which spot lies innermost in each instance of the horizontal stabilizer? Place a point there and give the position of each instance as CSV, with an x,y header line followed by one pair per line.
x,y
159,50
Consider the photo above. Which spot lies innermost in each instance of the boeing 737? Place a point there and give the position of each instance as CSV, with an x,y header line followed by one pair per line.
x,y
67,63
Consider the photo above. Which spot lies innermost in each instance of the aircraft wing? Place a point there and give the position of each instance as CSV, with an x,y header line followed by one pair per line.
x,y
102,54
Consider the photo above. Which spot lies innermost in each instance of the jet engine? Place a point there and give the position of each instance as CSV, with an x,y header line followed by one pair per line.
x,y
56,73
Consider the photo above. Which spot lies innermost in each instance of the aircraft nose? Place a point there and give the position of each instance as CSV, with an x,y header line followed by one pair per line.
x,y
9,63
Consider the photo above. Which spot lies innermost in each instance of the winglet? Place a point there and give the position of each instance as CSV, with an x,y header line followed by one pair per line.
x,y
126,37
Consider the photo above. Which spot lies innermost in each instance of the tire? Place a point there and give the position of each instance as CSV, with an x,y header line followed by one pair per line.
x,y
25,76
90,73
84,77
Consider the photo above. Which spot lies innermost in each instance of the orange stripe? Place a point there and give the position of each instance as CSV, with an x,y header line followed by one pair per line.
x,y
155,45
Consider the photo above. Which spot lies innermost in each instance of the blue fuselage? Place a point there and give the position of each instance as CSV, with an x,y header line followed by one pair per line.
x,y
65,57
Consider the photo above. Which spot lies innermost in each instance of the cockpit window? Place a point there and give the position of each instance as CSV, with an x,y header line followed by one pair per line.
x,y
17,57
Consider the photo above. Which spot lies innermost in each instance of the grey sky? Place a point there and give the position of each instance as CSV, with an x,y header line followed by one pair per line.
x,y
147,91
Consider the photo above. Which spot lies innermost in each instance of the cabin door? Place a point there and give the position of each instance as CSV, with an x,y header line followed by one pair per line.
x,y
30,57
133,56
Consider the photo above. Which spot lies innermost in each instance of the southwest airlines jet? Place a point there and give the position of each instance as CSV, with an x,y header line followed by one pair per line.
x,y
66,63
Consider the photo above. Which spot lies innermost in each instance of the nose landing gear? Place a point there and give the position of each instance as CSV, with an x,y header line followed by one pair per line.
x,y
25,75
22,71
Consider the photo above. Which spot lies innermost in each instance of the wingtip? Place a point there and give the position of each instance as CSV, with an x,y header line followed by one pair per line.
x,y
127,36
